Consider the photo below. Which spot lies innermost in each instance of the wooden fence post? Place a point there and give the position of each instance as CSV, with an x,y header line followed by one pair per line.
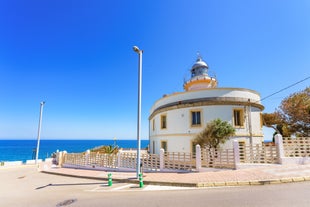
x,y
198,157
236,153
280,149
161,159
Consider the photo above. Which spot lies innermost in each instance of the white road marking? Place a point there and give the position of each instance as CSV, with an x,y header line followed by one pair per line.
x,y
135,187
123,187
159,187
94,189
99,188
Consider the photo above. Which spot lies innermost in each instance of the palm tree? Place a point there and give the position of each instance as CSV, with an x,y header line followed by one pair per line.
x,y
107,149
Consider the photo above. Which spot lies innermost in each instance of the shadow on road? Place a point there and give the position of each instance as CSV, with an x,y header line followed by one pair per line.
x,y
66,184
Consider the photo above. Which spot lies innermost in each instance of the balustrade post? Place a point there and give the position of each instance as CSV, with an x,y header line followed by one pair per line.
x,y
161,159
119,158
59,161
64,154
279,146
57,157
198,157
87,157
236,153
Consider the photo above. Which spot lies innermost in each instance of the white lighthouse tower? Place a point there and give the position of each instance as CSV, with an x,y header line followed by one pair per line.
x,y
177,118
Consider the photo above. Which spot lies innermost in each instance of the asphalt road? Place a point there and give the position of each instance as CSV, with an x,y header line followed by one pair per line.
x,y
24,186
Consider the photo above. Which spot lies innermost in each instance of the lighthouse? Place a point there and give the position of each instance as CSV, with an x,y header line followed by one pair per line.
x,y
175,119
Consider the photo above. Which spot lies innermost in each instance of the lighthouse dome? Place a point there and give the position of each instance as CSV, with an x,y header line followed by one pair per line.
x,y
199,68
199,77
199,64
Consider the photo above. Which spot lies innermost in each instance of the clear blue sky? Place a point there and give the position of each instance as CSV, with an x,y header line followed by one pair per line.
x,y
78,57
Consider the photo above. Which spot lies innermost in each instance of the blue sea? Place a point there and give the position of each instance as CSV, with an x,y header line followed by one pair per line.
x,y
22,150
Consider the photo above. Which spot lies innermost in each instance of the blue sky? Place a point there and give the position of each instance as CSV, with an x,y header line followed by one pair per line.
x,y
78,57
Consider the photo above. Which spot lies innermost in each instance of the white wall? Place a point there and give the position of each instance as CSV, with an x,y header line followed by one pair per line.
x,y
179,133
174,143
213,92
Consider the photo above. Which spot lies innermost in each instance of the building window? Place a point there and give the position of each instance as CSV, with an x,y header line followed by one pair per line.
x,y
163,145
153,147
196,118
193,148
153,124
163,120
238,117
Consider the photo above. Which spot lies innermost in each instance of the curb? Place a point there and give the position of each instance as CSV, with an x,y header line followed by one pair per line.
x,y
255,182
125,180
197,185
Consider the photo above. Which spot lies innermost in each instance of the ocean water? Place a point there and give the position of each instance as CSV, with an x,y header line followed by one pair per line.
x,y
22,150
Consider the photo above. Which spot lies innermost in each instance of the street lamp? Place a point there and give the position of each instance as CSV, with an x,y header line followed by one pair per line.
x,y
39,131
137,50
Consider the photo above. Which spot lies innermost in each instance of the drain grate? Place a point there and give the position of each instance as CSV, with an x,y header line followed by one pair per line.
x,y
66,202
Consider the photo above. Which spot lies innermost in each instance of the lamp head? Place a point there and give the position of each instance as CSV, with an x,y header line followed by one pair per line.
x,y
136,49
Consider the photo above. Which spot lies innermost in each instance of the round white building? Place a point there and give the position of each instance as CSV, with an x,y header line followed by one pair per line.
x,y
176,119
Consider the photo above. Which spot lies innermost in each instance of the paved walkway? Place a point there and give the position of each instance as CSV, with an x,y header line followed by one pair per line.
x,y
269,174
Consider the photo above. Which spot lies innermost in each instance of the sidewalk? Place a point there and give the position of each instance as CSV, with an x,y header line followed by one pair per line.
x,y
271,174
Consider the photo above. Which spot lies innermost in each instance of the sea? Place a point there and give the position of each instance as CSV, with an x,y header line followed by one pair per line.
x,y
22,150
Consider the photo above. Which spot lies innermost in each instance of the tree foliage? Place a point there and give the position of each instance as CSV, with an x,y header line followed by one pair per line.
x,y
275,121
292,116
295,111
216,132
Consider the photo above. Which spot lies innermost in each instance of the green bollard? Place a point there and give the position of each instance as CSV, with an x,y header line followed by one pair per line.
x,y
141,181
110,179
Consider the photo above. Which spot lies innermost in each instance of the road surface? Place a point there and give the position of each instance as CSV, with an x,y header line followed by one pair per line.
x,y
24,186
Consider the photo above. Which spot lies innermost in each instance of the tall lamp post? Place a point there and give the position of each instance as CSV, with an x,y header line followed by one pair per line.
x,y
137,50
39,131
